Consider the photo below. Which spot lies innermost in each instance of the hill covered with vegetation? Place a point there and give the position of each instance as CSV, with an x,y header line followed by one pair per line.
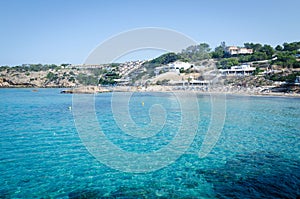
x,y
284,58
264,57
283,55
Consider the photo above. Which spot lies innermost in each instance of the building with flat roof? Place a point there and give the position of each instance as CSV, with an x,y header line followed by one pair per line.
x,y
242,70
234,50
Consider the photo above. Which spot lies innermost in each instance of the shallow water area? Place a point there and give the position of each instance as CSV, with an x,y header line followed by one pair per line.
x,y
42,155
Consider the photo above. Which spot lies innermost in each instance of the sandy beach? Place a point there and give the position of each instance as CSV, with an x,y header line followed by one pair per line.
x,y
230,90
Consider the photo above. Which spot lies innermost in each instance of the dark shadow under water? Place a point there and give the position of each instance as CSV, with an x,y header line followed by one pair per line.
x,y
253,175
256,175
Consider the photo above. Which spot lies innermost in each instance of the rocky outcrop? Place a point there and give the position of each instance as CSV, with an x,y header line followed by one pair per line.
x,y
3,83
247,81
14,78
86,90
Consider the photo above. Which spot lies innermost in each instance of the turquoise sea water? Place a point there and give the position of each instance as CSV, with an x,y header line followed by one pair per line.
x,y
42,155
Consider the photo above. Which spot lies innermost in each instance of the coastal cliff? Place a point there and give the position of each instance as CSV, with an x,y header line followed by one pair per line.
x,y
42,79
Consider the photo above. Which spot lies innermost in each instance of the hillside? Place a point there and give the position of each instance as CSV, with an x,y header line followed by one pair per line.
x,y
281,63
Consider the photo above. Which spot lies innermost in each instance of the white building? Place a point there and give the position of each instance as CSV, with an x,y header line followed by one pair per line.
x,y
234,50
242,70
178,65
173,67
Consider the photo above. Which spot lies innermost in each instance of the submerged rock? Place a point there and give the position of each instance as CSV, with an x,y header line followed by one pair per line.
x,y
256,175
85,194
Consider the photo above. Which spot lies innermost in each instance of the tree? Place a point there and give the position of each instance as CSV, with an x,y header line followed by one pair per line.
x,y
286,59
278,48
228,62
50,76
181,70
64,65
291,46
255,47
257,56
219,51
165,59
223,45
87,79
196,52
268,50
189,80
257,71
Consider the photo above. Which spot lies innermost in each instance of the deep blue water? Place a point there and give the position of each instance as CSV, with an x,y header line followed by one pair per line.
x,y
42,155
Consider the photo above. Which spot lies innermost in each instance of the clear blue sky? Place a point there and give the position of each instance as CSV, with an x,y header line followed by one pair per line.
x,y
66,31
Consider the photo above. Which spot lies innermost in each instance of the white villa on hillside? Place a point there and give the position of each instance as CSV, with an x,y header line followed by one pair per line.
x,y
173,67
178,65
234,50
242,70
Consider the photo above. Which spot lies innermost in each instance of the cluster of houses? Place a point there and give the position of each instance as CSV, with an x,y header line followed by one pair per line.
x,y
242,70
126,68
86,66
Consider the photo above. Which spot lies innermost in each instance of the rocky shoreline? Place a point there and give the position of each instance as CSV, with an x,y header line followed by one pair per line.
x,y
232,90
248,85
